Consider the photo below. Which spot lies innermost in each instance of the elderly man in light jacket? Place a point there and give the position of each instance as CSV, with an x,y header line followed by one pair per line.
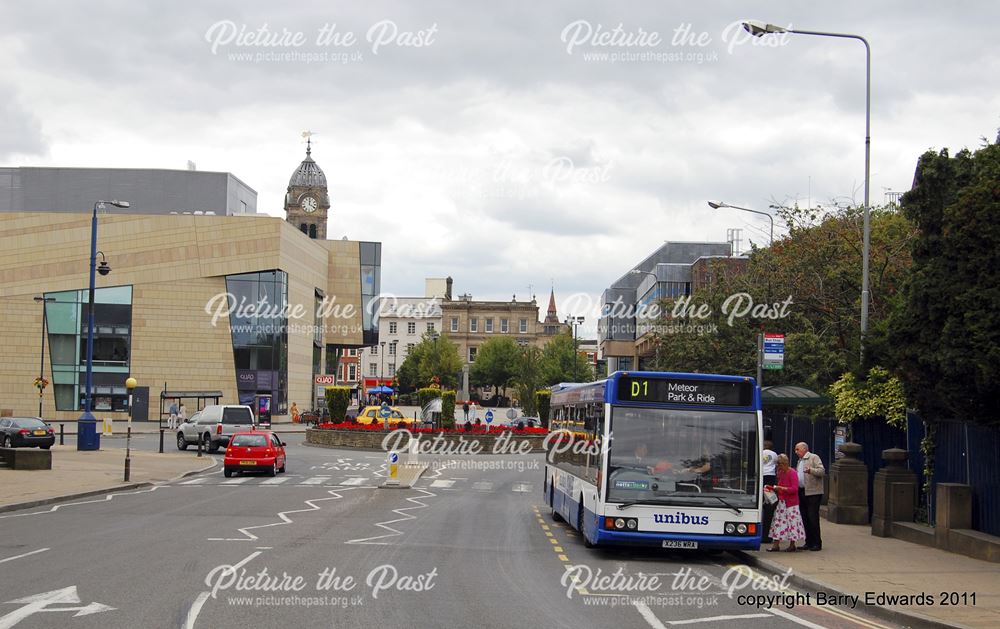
x,y
811,473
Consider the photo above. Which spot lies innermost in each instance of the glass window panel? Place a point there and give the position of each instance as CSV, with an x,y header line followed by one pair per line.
x,y
63,349
65,395
63,318
113,295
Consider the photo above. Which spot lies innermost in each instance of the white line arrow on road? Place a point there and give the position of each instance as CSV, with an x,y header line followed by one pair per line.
x,y
40,602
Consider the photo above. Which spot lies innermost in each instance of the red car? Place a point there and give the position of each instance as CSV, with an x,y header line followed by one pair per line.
x,y
254,451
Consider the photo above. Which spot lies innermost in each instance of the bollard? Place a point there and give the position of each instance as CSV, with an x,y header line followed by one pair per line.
x,y
61,434
199,446
161,441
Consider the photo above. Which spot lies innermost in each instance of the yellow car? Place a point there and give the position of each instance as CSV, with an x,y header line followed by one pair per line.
x,y
372,415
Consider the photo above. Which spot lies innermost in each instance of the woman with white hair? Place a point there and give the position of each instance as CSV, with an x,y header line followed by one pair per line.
x,y
787,522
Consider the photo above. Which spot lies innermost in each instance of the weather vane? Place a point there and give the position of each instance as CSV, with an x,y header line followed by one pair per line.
x,y
308,136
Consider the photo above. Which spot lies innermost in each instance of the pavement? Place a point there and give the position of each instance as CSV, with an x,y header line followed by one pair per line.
x,y
75,473
852,562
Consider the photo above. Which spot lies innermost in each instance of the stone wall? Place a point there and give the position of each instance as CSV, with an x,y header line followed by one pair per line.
x,y
433,443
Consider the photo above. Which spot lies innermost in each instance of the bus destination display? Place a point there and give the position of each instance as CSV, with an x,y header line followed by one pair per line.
x,y
677,391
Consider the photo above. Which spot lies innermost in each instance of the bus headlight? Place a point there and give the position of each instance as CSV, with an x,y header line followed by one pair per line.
x,y
620,523
741,529
730,528
632,524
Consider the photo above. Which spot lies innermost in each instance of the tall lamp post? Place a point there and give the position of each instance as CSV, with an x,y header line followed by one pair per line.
x,y
392,365
86,426
759,30
381,368
575,322
41,368
720,204
130,385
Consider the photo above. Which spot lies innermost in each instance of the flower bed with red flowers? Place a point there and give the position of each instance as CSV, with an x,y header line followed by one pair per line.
x,y
480,430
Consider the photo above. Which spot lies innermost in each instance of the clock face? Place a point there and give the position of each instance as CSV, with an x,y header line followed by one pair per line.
x,y
309,204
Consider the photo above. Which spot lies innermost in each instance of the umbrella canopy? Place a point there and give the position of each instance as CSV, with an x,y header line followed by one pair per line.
x,y
381,389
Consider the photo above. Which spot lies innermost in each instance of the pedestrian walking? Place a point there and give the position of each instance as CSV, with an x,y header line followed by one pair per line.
x,y
768,470
465,409
787,522
172,419
294,410
811,472
182,414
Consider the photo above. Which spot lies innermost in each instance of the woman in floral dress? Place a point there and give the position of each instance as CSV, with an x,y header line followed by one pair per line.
x,y
787,522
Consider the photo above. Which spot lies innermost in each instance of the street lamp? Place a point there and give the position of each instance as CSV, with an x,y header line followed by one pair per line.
x,y
130,385
575,322
715,205
759,30
86,431
41,368
381,368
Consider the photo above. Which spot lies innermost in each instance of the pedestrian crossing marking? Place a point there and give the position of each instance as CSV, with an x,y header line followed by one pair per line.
x,y
315,480
354,482
442,483
236,481
483,486
277,480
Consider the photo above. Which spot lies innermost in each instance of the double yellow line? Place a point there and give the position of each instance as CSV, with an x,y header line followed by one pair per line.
x,y
556,548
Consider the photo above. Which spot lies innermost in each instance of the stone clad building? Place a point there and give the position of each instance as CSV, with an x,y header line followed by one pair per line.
x,y
245,305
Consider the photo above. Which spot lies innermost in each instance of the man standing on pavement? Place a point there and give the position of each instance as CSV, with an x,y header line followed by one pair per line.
x,y
811,473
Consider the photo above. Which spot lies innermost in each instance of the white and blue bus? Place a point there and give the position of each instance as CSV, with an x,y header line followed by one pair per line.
x,y
658,459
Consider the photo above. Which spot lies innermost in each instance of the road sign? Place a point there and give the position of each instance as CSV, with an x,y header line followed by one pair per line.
x,y
385,412
774,351
393,460
108,427
511,413
489,417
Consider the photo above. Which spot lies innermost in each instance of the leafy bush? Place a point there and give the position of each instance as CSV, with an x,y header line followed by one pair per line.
x,y
426,395
447,409
337,399
543,400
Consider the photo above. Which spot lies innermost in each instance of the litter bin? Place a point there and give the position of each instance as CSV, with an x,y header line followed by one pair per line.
x,y
88,438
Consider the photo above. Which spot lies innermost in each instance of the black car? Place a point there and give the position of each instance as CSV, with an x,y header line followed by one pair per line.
x,y
25,431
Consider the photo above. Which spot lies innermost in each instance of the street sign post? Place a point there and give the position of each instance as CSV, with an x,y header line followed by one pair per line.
x,y
774,351
393,462
489,417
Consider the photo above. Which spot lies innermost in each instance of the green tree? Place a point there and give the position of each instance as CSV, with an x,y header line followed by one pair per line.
x,y
496,364
529,378
944,336
427,359
561,362
543,400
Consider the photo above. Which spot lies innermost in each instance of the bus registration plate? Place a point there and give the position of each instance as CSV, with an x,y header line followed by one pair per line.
x,y
673,543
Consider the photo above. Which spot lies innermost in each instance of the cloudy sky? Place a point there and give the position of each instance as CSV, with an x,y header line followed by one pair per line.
x,y
508,144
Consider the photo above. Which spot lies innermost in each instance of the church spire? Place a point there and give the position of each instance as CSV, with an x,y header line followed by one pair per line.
x,y
551,316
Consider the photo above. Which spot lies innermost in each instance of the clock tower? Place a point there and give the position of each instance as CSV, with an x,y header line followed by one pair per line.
x,y
307,200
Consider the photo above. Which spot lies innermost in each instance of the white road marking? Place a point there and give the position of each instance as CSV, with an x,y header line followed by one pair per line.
x,y
196,481
442,483
106,498
716,618
277,480
40,603
250,537
315,480
483,486
357,480
202,598
804,623
394,532
34,552
236,481
524,488
646,613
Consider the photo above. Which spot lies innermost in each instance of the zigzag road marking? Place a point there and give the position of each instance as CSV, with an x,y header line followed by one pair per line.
x,y
385,525
106,498
250,537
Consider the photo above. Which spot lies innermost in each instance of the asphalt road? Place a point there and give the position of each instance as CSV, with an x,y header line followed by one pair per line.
x,y
321,546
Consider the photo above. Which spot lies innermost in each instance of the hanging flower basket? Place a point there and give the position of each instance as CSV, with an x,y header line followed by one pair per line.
x,y
41,383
